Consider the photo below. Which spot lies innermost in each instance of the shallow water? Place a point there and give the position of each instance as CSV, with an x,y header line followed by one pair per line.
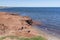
x,y
50,17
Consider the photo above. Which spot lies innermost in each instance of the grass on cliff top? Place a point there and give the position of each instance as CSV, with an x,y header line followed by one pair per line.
x,y
22,38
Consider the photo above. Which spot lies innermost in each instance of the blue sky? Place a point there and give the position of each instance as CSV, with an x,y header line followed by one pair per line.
x,y
30,3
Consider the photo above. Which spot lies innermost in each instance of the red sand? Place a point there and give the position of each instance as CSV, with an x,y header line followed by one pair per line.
x,y
13,24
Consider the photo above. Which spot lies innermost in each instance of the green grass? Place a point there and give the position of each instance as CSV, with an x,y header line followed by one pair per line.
x,y
23,38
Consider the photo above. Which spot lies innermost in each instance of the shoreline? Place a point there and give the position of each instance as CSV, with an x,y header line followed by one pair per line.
x,y
46,34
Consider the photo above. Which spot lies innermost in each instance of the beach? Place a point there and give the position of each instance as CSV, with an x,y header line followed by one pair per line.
x,y
46,34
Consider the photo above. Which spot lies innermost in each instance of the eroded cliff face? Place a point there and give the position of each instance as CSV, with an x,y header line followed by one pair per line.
x,y
13,24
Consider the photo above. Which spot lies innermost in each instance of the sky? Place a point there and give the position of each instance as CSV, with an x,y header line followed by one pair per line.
x,y
30,3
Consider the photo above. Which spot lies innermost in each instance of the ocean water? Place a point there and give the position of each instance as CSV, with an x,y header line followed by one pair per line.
x,y
49,16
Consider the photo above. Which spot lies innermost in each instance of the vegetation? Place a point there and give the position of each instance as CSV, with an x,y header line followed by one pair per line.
x,y
22,38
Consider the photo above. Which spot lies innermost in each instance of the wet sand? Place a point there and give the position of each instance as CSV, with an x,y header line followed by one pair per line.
x,y
46,34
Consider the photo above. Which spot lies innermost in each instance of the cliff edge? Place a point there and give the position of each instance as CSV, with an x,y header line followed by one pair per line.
x,y
14,24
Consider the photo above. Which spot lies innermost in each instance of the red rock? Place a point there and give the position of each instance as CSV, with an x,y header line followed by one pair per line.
x,y
13,24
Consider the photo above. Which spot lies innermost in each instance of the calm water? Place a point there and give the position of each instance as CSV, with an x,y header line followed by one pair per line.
x,y
50,17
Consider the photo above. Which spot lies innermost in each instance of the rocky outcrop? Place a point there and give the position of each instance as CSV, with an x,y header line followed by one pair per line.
x,y
14,24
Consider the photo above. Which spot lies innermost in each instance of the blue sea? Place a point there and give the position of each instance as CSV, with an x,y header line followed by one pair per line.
x,y
49,16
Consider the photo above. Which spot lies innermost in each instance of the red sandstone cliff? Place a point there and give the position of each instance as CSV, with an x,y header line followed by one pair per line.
x,y
13,24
